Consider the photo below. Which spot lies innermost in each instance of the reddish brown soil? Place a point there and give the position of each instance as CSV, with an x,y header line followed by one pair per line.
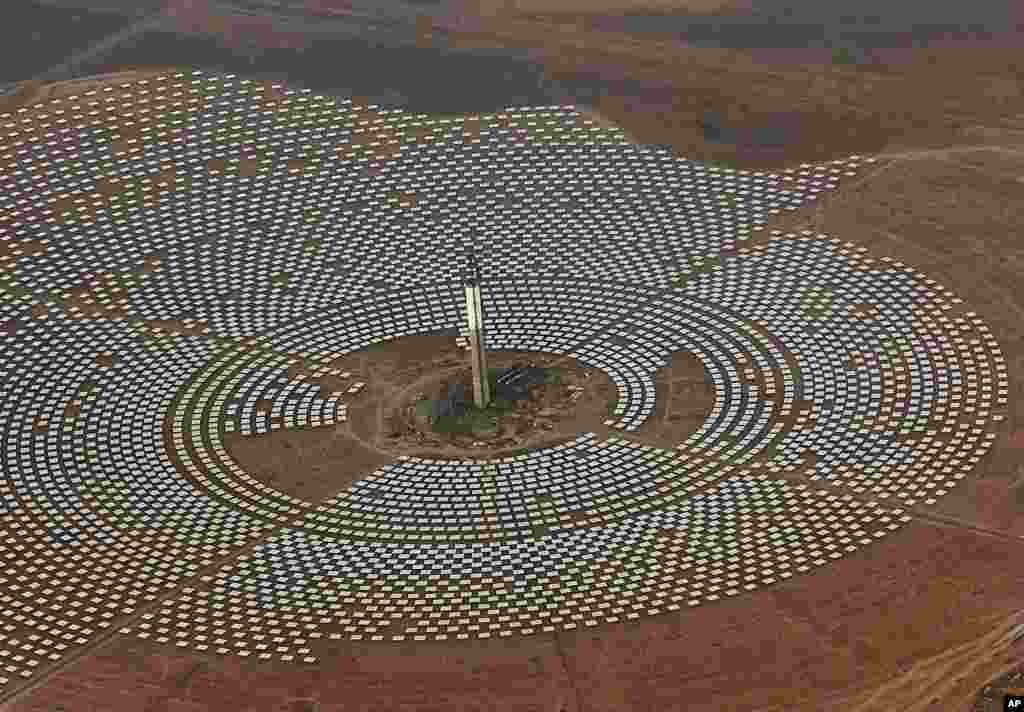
x,y
922,614
308,464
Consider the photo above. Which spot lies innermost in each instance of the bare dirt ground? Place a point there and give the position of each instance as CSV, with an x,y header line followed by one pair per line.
x,y
550,414
922,618
582,401
314,463
381,423
657,87
926,619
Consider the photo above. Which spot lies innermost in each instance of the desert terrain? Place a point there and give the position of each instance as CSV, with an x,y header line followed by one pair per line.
x,y
930,618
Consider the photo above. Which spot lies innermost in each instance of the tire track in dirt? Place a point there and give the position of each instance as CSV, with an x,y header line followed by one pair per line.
x,y
931,681
891,159
950,151
985,170
97,49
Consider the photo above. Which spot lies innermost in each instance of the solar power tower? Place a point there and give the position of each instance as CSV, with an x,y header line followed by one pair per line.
x,y
475,316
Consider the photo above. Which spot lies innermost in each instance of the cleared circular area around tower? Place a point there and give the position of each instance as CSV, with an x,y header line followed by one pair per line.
x,y
191,261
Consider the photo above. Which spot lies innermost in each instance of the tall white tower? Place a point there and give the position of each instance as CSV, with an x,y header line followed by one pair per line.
x,y
477,342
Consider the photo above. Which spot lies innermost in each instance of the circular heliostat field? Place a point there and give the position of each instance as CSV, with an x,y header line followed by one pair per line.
x,y
190,259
